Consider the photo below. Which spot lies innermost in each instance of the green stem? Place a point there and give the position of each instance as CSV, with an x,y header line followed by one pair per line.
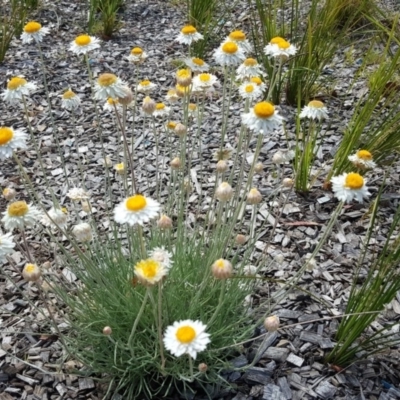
x,y
139,315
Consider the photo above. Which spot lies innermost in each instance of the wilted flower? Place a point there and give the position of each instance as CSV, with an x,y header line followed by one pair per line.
x,y
6,245
150,271
188,35
248,69
70,100
109,85
17,87
83,44
363,160
111,105
82,232
137,55
186,337
145,86
315,109
262,118
224,154
279,48
164,222
10,140
127,98
224,192
349,186
222,269
77,194
271,323
56,217
9,194
20,215
229,54
197,64
136,209
254,197
34,31
31,272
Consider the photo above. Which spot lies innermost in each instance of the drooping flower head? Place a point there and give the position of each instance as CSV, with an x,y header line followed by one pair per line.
x,y
10,140
16,88
111,104
186,337
136,209
20,215
279,48
262,118
70,100
363,160
83,44
189,35
150,271
315,109
34,31
350,186
109,85
137,55
229,54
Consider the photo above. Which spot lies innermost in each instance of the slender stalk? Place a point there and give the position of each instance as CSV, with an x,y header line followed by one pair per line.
x,y
160,337
137,319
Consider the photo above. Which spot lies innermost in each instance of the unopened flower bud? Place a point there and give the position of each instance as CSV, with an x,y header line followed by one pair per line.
x,y
83,232
148,105
278,158
241,239
31,272
107,331
9,194
184,77
250,270
180,129
203,367
287,182
164,222
224,192
127,98
254,197
271,323
175,163
222,166
222,269
259,167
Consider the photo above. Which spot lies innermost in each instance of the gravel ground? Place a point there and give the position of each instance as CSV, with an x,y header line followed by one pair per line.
x,y
290,364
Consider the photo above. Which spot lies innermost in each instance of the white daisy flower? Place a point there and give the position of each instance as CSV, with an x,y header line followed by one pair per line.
x,y
136,209
70,100
258,81
137,55
10,140
16,88
161,110
197,64
349,186
239,38
186,337
363,160
57,217
315,109
20,215
189,35
109,85
248,69
150,271
111,104
250,90
229,54
77,194
172,96
83,44
34,31
279,47
83,232
6,245
203,82
262,118
146,86
163,256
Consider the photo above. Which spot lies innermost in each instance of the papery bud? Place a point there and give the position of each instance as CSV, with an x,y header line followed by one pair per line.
x,y
278,158
271,323
127,98
148,105
222,166
85,206
241,239
172,96
250,270
184,77
287,182
224,192
175,163
222,269
9,194
164,222
259,167
83,232
203,367
31,272
180,129
254,197
279,258
107,331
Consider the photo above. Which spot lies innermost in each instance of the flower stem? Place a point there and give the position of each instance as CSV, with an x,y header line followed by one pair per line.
x,y
139,315
160,327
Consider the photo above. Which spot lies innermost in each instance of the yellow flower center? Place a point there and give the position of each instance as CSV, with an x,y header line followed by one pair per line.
x,y
192,107
106,79
205,77
316,104
18,209
198,61
354,181
364,155
249,89
230,48
137,51
119,167
264,110
237,35
30,268
188,30
32,27
6,191
145,83
250,62
112,101
15,83
219,263
160,106
83,40
136,202
283,44
185,334
6,134
64,210
149,268
69,94
171,125
171,92
183,73
256,80
181,89
277,40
